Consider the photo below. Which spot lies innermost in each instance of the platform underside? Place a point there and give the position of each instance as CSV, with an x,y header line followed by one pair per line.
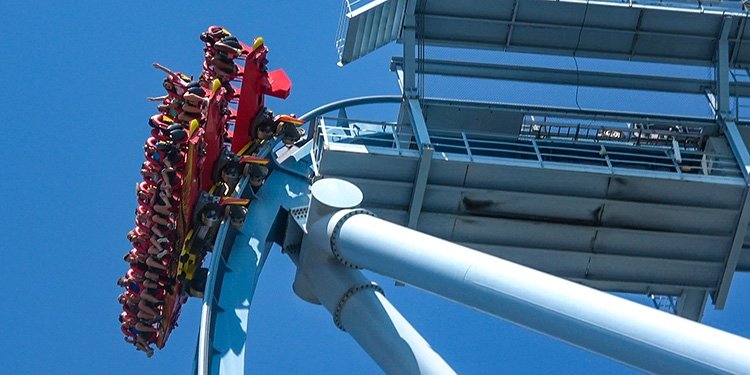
x,y
612,231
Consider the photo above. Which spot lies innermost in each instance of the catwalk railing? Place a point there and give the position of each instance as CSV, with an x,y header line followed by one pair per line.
x,y
347,7
690,4
627,146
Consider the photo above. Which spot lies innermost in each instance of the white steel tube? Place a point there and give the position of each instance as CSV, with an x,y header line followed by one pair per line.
x,y
357,305
625,331
359,308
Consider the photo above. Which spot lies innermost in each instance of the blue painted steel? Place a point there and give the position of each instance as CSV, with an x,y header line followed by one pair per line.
x,y
636,31
218,265
234,272
733,257
350,296
619,161
343,117
706,122
420,185
240,255
376,23
419,124
740,151
229,294
617,328
564,76
409,40
352,102
224,319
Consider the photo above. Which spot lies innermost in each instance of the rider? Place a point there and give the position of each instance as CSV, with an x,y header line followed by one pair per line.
x,y
137,333
134,287
214,34
175,83
257,175
290,133
193,98
230,46
134,305
264,125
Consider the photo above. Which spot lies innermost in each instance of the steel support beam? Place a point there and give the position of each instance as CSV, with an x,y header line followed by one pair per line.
x,y
512,22
733,257
342,120
407,76
709,125
740,151
634,42
737,41
400,78
722,69
420,185
411,112
711,97
570,77
691,304
436,18
424,144
404,116
418,123
409,40
619,329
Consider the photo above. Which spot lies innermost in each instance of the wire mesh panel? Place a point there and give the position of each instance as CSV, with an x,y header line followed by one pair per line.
x,y
664,303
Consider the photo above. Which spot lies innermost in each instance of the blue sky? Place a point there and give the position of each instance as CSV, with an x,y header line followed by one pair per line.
x,y
76,75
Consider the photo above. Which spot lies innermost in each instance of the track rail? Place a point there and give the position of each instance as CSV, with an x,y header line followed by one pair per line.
x,y
239,255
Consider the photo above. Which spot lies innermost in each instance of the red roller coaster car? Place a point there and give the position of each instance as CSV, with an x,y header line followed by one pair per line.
x,y
198,150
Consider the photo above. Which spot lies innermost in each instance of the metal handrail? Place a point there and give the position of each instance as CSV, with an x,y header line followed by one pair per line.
x,y
463,143
699,4
336,133
342,29
637,134
611,154
343,26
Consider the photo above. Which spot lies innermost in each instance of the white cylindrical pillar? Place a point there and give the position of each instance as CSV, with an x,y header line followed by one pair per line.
x,y
358,306
625,331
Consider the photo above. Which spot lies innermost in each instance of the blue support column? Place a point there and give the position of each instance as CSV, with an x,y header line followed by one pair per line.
x,y
411,112
420,185
722,101
409,40
691,303
565,76
730,263
343,120
722,68
425,160
418,124
740,151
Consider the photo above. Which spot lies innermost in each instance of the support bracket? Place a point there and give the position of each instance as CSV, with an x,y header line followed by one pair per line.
x,y
420,185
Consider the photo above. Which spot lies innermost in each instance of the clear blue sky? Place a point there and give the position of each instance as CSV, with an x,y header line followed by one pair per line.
x,y
76,75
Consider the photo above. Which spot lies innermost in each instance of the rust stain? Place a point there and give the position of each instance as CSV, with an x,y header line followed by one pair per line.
x,y
477,204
